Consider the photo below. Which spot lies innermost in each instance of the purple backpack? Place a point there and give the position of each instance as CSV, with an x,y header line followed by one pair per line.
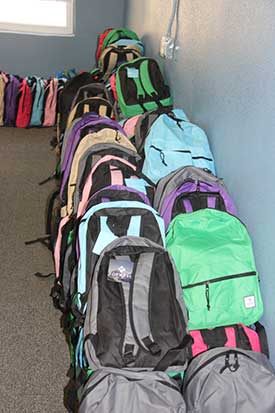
x,y
194,193
11,97
93,122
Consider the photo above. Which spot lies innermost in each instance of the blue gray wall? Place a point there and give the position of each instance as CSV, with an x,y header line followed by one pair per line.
x,y
42,55
224,76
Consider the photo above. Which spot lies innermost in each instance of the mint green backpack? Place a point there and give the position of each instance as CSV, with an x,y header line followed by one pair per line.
x,y
214,258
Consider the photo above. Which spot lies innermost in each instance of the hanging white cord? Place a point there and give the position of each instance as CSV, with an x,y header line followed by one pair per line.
x,y
172,18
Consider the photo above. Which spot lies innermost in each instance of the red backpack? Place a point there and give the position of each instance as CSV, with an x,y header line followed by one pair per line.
x,y
24,105
100,41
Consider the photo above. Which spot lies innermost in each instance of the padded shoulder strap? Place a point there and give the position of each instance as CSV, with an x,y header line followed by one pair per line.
x,y
139,302
146,81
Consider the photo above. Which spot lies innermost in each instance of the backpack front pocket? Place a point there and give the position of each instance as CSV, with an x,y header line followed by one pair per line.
x,y
224,301
160,162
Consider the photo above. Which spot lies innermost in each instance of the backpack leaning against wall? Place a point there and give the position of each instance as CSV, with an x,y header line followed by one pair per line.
x,y
11,98
230,380
213,254
50,103
38,103
118,53
24,105
195,194
174,142
3,80
140,87
111,36
169,183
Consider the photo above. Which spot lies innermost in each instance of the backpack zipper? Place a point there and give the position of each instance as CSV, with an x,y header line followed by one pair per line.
x,y
202,157
162,153
214,280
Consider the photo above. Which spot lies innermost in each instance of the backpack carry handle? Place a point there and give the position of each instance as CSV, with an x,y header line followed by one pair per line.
x,y
263,338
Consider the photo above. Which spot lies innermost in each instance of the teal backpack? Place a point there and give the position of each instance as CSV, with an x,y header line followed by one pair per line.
x,y
38,103
173,142
214,258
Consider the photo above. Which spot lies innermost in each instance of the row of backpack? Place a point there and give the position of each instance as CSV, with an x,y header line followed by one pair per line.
x,y
29,101
155,272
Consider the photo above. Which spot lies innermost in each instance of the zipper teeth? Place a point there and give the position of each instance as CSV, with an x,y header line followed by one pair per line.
x,y
227,277
212,359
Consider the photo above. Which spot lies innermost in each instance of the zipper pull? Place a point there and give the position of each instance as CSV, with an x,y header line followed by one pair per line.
x,y
161,154
162,157
226,364
232,367
207,295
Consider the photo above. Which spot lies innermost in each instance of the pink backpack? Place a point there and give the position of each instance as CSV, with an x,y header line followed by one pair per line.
x,y
237,335
129,125
50,105
116,179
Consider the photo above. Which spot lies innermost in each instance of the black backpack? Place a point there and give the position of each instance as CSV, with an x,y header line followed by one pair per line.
x,y
67,95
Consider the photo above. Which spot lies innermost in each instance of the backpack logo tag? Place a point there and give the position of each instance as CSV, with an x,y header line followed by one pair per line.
x,y
249,301
120,269
132,73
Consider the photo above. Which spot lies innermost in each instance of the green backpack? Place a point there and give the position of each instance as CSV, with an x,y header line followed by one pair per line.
x,y
117,34
140,87
213,255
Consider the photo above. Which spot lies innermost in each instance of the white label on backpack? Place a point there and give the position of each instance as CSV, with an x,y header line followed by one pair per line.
x,y
132,73
120,269
250,301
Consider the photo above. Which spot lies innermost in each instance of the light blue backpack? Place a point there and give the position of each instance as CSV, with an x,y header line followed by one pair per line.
x,y
38,103
99,226
174,142
105,222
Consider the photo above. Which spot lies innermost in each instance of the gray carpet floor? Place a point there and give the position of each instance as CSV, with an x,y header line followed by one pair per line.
x,y
33,354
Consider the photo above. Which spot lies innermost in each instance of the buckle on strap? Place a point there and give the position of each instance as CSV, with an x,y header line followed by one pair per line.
x,y
128,356
153,347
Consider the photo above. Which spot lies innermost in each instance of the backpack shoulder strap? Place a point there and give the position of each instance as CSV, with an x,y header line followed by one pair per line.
x,y
139,300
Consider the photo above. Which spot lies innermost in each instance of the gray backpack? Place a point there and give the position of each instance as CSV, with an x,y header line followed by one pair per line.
x,y
175,179
230,380
136,317
120,391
